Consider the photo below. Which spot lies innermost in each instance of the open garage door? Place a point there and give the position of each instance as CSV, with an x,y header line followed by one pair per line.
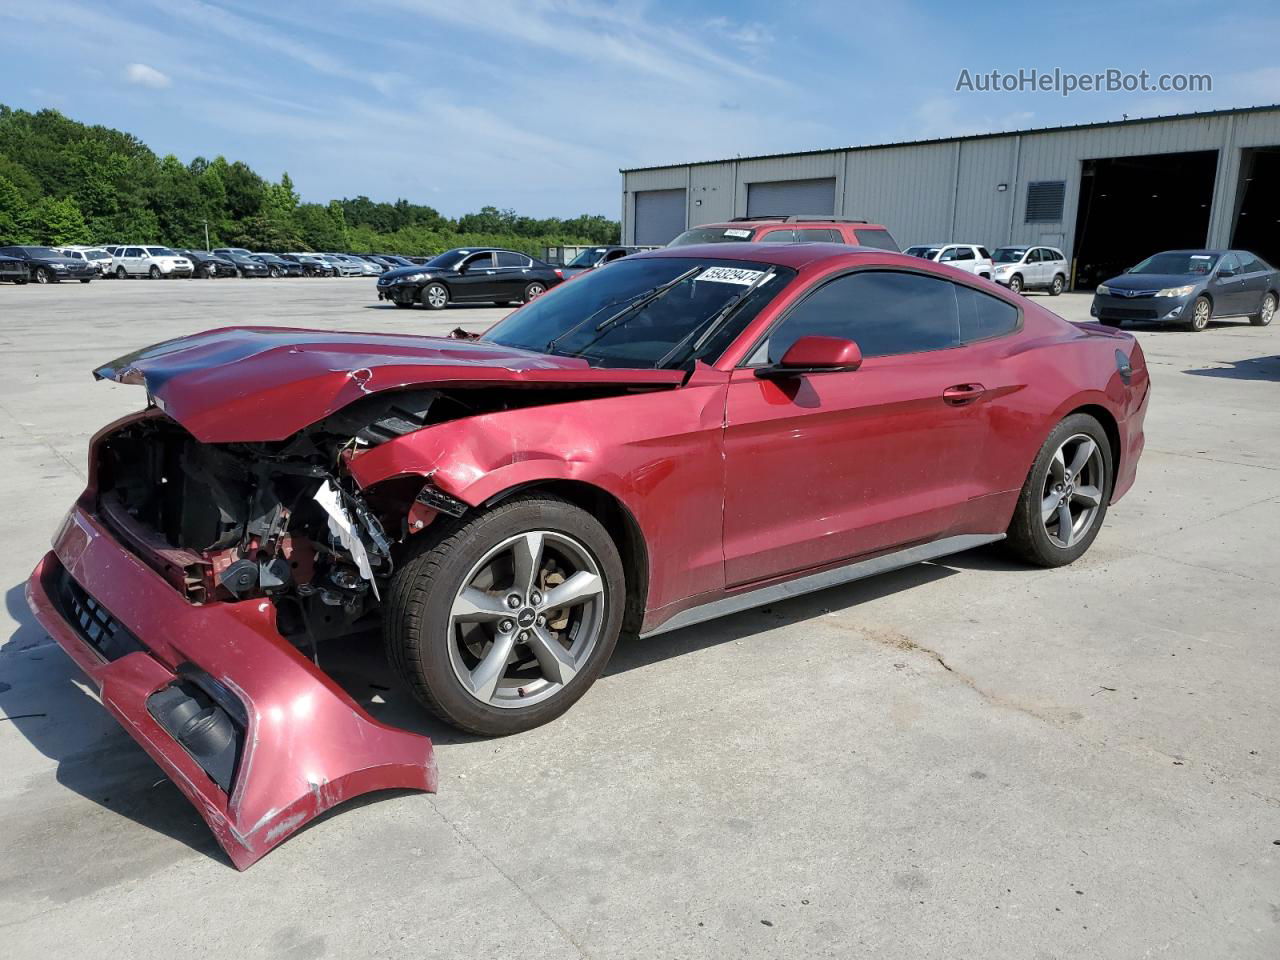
x,y
1257,226
782,198
1132,207
659,216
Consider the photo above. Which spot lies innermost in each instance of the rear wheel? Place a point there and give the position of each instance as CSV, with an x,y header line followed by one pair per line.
x,y
1015,283
1055,288
503,621
1201,312
1064,499
435,296
533,291
1266,312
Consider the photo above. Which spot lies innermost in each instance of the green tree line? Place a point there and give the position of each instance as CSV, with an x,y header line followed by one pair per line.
x,y
64,182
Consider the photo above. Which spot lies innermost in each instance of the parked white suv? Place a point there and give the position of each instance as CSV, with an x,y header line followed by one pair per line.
x,y
969,257
1028,267
96,257
153,262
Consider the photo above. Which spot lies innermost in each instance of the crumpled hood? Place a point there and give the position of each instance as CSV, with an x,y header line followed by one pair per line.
x,y
257,384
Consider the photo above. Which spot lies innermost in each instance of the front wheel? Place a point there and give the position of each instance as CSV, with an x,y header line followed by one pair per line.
x,y
154,273
533,291
86,281
1064,499
1055,288
1201,312
502,621
1266,312
43,275
435,296
275,273
1015,284
121,273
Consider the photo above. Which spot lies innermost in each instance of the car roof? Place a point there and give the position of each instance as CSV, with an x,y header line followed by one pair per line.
x,y
794,255
743,223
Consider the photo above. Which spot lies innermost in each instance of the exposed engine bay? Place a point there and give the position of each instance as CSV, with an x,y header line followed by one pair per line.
x,y
283,520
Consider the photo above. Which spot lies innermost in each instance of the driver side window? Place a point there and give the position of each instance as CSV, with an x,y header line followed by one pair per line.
x,y
884,312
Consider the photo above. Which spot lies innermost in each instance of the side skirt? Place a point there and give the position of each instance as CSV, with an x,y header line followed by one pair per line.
x,y
821,581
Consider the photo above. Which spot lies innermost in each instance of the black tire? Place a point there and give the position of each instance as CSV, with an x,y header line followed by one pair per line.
x,y
1201,314
87,281
533,291
1027,537
1055,288
43,275
153,273
20,281
416,614
435,296
1113,324
122,273
1265,312
1015,283
274,273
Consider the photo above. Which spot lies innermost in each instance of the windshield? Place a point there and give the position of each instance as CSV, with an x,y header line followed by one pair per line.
x,y
161,252
712,235
576,316
1189,264
39,251
443,261
98,255
924,253
1009,255
587,258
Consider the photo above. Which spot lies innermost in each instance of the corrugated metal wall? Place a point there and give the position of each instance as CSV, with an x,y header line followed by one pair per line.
x,y
949,190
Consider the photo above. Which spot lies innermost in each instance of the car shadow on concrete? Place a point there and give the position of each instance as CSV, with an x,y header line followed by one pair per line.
x,y
44,696
1252,368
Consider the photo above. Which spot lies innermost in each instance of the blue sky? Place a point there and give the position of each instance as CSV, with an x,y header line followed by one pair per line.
x,y
535,104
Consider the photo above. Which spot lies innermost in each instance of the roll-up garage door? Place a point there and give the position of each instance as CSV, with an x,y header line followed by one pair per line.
x,y
659,216
783,198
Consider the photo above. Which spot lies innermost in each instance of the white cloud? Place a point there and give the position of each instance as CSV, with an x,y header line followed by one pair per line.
x,y
145,76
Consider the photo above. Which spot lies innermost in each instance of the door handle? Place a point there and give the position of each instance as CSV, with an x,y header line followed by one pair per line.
x,y
963,393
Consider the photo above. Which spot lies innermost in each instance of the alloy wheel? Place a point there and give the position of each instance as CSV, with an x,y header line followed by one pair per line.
x,y
1072,490
437,296
1015,283
526,619
42,275
1200,314
1268,311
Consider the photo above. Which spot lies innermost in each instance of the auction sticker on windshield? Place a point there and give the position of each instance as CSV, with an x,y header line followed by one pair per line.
x,y
731,275
738,233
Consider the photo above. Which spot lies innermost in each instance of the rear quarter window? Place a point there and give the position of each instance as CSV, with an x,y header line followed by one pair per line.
x,y
983,316
877,238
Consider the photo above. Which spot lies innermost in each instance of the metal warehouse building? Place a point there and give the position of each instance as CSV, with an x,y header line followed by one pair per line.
x,y
1108,193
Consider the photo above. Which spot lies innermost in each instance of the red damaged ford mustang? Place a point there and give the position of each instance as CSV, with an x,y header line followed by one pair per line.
x,y
682,434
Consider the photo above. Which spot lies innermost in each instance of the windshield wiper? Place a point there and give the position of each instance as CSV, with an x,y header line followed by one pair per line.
x,y
636,304
713,326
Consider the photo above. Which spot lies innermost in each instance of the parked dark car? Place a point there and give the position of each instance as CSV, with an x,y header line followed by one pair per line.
x,y
13,270
313,265
247,265
594,257
280,267
470,275
49,266
1191,287
207,266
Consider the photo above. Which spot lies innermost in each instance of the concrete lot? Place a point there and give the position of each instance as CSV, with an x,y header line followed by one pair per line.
x,y
963,759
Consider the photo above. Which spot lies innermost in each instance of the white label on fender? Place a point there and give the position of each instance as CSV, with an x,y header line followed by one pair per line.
x,y
731,275
737,233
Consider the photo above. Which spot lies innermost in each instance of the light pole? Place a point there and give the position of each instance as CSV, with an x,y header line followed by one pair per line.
x,y
206,234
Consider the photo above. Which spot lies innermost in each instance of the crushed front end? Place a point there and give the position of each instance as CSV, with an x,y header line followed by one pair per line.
x,y
194,582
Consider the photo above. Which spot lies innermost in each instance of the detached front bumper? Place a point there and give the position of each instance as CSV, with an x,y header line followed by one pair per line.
x,y
400,293
301,744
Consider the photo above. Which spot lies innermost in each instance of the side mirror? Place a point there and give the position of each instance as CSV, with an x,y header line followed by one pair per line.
x,y
1224,274
814,354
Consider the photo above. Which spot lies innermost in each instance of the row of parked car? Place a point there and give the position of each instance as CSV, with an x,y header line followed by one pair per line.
x,y
20,264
